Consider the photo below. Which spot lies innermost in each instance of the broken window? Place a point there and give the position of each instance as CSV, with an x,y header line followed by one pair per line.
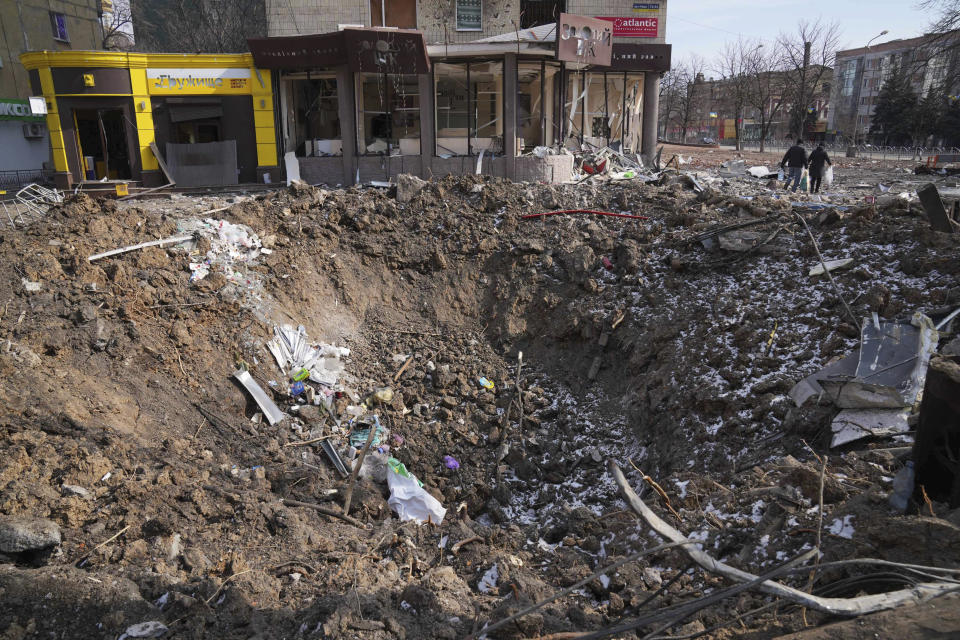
x,y
604,108
469,108
388,106
316,114
536,93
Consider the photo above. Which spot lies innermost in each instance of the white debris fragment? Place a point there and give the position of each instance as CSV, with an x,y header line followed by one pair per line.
x,y
489,579
842,527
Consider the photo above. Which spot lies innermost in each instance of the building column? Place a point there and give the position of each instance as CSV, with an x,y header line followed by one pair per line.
x,y
651,109
428,129
348,123
510,114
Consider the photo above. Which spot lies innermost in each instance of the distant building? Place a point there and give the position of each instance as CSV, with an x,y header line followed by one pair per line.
x,y
861,73
715,114
30,25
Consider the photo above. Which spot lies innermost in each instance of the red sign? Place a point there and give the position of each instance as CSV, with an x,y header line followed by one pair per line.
x,y
634,27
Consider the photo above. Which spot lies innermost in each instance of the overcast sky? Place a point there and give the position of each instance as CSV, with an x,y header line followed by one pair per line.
x,y
703,26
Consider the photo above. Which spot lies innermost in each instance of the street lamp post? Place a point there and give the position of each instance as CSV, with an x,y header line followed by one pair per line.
x,y
856,105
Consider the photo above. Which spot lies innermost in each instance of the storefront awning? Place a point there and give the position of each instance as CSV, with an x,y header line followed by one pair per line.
x,y
363,50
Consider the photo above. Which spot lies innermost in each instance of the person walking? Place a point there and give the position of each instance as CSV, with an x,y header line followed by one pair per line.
x,y
817,159
796,159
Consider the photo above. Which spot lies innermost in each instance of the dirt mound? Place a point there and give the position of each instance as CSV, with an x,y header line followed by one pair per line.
x,y
641,340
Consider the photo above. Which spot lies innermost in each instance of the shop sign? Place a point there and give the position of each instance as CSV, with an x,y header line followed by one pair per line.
x,y
646,7
212,80
16,109
628,56
366,50
634,27
584,40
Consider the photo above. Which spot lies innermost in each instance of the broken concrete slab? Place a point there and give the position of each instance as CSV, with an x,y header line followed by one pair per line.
x,y
832,265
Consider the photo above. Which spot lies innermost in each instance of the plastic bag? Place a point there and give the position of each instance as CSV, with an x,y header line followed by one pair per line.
x,y
828,176
805,181
408,498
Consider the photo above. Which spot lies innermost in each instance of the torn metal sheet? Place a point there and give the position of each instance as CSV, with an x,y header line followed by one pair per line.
x,y
270,410
886,372
853,424
818,384
893,363
334,458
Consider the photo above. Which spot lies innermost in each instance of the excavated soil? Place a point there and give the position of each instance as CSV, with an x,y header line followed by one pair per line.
x,y
121,423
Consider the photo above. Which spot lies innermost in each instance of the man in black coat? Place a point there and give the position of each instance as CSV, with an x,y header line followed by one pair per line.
x,y
817,159
796,159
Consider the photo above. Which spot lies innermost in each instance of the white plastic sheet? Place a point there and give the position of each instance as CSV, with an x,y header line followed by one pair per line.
x,y
410,501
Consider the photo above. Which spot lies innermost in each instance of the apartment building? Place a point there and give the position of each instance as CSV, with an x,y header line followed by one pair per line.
x,y
369,89
28,25
860,75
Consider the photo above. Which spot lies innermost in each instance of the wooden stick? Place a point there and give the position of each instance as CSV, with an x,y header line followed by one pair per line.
x,y
110,539
399,373
146,191
816,248
142,245
348,497
849,607
305,442
323,510
224,583
455,549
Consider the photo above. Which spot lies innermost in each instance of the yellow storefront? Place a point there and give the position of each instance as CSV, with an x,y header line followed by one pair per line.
x,y
210,116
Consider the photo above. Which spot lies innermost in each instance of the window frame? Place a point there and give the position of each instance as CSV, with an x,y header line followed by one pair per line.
x,y
456,18
472,100
55,27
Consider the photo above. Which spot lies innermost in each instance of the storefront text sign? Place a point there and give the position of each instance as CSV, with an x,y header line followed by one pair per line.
x,y
628,56
584,40
646,7
171,82
15,109
634,27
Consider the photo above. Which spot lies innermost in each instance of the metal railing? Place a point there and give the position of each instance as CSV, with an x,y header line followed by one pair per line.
x,y
873,152
11,180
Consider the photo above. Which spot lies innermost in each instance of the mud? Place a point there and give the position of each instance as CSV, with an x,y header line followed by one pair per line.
x,y
105,371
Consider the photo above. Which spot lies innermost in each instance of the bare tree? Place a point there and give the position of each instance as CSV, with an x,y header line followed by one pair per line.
x,y
198,26
733,68
689,96
672,84
808,54
941,52
766,90
118,27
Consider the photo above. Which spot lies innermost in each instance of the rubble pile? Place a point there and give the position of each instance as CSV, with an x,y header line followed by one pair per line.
x,y
182,422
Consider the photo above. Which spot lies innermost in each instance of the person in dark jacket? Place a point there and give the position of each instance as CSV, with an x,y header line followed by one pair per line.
x,y
796,160
817,159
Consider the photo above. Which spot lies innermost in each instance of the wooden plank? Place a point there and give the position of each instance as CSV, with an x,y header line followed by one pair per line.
x,y
163,165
